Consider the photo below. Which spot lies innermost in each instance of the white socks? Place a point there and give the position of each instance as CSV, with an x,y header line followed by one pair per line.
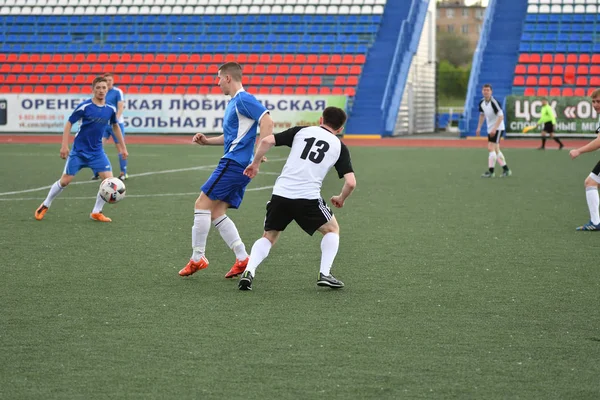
x,y
200,233
260,251
99,204
55,190
593,200
501,159
329,248
492,159
231,236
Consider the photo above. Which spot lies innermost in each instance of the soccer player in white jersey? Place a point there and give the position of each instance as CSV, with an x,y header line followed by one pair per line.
x,y
87,150
225,188
593,180
115,98
491,112
297,191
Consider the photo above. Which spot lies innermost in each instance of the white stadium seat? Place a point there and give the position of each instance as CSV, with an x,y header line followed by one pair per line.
x,y
58,11
166,10
101,10
48,10
536,1
188,10
357,9
532,9
37,10
25,10
209,10
4,10
68,10
556,9
378,9
254,10
123,10
79,10
177,10
579,9
299,10
544,9
591,9
579,1
111,10
20,3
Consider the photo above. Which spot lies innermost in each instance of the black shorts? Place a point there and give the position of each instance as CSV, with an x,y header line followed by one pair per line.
x,y
496,138
548,127
596,170
310,215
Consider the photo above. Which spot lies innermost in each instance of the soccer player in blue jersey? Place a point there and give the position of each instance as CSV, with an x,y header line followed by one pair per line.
x,y
225,188
115,98
87,150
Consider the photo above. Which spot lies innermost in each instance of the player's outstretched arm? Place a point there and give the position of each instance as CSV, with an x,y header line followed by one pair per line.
x,y
591,146
347,189
201,139
64,147
263,146
122,148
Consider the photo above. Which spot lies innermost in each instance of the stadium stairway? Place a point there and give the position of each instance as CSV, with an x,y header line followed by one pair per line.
x,y
366,116
498,59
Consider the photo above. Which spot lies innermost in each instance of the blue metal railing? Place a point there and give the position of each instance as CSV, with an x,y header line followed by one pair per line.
x,y
406,46
476,65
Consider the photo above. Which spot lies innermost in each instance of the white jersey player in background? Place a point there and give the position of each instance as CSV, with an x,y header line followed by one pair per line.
x,y
297,191
491,112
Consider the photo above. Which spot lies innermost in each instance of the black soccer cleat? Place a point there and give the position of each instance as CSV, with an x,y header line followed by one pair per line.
x,y
245,282
329,281
95,177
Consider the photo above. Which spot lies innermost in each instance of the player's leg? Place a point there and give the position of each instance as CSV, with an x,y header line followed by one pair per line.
x,y
491,157
101,167
200,229
260,250
231,236
122,162
329,249
501,160
280,212
107,134
73,164
593,201
557,140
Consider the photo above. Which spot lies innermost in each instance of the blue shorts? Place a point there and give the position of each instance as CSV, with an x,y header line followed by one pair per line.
x,y
227,183
97,162
108,133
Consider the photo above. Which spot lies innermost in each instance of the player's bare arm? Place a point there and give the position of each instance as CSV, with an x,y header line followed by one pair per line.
x,y
481,118
266,129
203,140
263,147
591,146
64,148
120,108
121,145
347,189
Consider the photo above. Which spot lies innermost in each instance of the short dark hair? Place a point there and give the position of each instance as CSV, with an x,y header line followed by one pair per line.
x,y
98,80
233,69
334,117
487,85
107,74
595,93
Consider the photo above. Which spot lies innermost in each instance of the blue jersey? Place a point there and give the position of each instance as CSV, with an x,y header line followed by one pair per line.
x,y
94,120
240,124
113,97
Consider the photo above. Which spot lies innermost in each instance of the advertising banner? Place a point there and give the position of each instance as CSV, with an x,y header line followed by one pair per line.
x,y
574,115
165,114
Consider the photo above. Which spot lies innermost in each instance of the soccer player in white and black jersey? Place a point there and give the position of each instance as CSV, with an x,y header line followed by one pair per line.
x,y
491,112
297,191
593,180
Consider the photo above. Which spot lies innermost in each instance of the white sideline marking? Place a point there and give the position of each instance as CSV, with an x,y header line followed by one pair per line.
x,y
129,196
166,171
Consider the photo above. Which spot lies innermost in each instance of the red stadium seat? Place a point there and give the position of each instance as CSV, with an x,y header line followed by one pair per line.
x,y
16,68
559,59
348,59
331,70
344,69
581,81
160,58
535,58
27,89
279,80
350,91
337,91
291,80
296,69
595,70
355,70
571,58
583,70
531,81
173,80
520,69
218,58
4,89
340,81
288,90
143,69
324,90
34,58
544,80
39,68
50,89
547,59
172,59
311,59
584,59
300,90
191,90
204,90
22,79
595,81
545,69
304,80
554,91
556,81
156,90
62,89
215,90
307,70
39,89
267,80
567,92
212,69
315,81
312,90
352,81
264,90
276,90
533,69
177,69
154,69
5,68
264,58
283,69
23,58
523,58
180,90
185,80
300,59
323,59
579,92
169,89
336,59
12,58
148,58
542,92
145,89
558,70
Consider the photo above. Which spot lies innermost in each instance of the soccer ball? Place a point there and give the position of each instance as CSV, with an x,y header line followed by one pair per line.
x,y
112,190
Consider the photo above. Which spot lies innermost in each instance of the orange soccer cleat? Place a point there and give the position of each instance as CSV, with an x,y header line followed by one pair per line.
x,y
194,266
40,212
100,217
237,268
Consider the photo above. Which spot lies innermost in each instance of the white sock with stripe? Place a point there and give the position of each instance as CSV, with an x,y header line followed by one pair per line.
x,y
231,236
200,233
55,190
492,159
593,201
99,204
329,248
501,160
260,251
